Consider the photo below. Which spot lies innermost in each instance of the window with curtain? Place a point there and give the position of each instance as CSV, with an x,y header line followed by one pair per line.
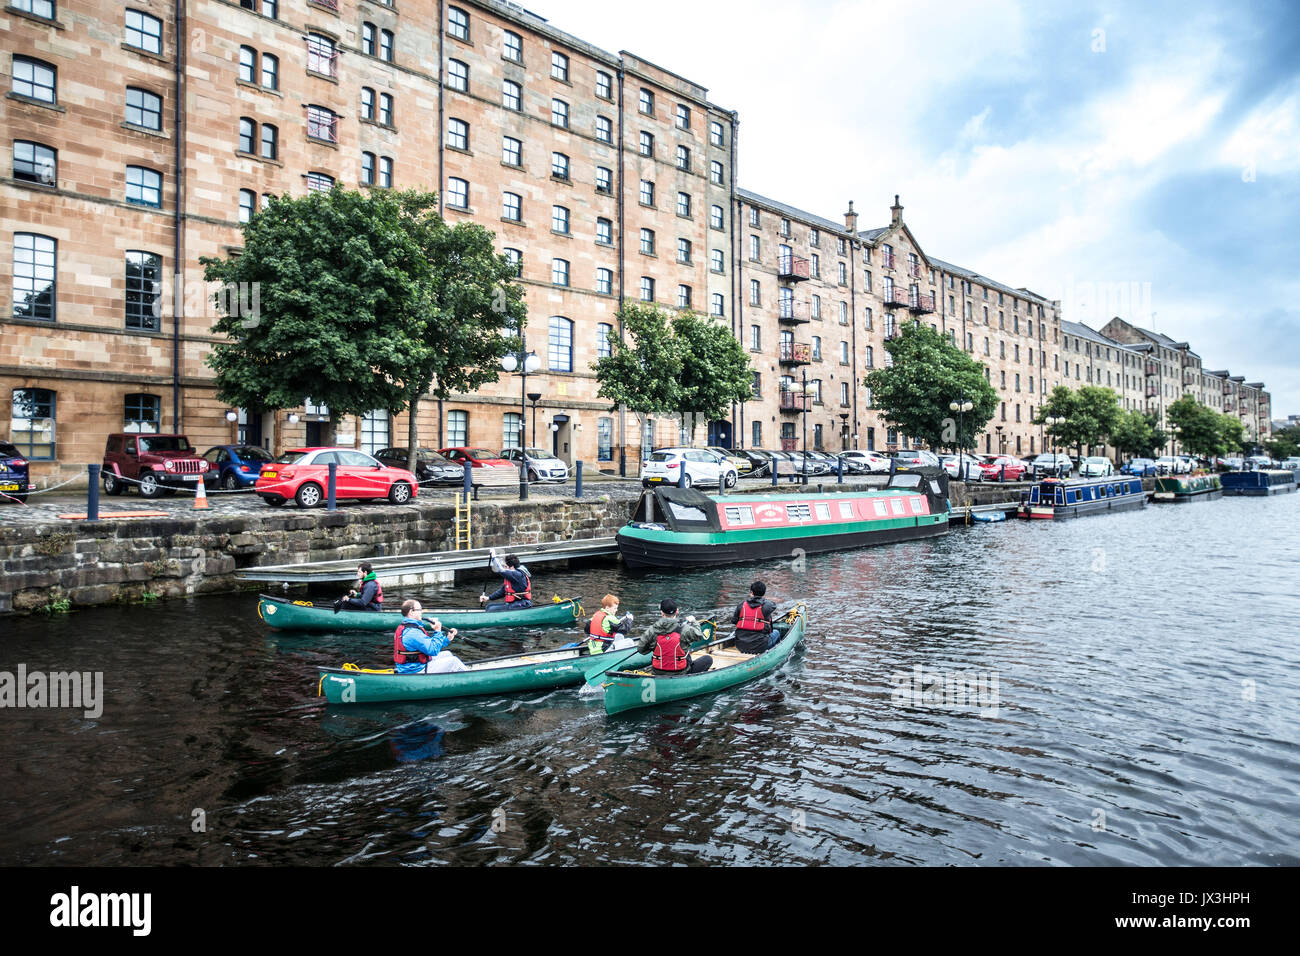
x,y
142,414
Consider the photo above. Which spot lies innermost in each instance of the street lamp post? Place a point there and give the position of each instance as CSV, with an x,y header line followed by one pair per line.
x,y
534,397
961,408
524,362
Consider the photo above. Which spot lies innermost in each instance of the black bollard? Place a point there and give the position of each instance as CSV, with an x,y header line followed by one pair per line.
x,y
577,493
774,471
681,477
92,495
469,480
839,469
333,486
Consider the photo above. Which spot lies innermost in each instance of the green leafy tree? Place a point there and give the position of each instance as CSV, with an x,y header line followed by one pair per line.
x,y
926,375
1232,434
1285,443
1089,415
645,375
716,370
1138,435
1199,429
365,299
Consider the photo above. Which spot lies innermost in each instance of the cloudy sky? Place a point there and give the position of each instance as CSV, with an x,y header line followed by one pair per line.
x,y
1140,159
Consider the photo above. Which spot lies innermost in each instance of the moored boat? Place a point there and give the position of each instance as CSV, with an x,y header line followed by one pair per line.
x,y
1264,481
630,688
1184,488
510,674
1073,497
684,528
285,615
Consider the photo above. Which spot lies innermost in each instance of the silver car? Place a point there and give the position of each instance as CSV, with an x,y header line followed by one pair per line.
x,y
1096,467
542,465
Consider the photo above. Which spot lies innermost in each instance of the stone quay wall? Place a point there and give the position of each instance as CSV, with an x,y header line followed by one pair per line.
x,y
126,561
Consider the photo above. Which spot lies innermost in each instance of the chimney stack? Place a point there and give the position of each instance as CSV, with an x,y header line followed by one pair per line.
x,y
897,211
851,220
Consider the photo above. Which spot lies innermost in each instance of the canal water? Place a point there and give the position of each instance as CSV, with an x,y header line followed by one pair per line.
x,y
1109,690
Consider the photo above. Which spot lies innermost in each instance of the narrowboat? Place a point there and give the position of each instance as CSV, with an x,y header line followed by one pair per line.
x,y
511,674
1184,488
1073,497
282,614
630,688
1266,481
680,528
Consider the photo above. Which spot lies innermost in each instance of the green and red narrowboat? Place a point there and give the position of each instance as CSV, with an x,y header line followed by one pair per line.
x,y
1180,489
679,528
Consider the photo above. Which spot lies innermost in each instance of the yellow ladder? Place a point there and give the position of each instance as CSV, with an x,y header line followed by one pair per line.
x,y
462,521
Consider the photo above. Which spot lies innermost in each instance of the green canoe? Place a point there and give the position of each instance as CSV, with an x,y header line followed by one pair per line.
x,y
630,689
285,615
514,673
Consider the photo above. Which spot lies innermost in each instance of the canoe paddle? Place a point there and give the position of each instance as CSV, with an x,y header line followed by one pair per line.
x,y
611,659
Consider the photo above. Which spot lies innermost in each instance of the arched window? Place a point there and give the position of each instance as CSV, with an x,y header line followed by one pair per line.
x,y
604,334
142,414
31,429
561,344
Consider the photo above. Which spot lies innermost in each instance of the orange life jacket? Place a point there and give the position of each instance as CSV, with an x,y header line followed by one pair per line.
x,y
751,618
400,654
525,595
597,620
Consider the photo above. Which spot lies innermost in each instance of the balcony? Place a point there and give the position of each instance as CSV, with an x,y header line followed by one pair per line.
x,y
796,353
792,268
895,298
795,401
914,270
792,313
1189,378
789,444
886,260
1153,391
1152,369
1229,405
920,303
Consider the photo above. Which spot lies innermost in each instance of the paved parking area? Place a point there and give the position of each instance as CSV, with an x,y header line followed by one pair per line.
x,y
42,508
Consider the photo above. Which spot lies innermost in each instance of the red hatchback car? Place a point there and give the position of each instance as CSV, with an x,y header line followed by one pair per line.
x,y
303,474
992,467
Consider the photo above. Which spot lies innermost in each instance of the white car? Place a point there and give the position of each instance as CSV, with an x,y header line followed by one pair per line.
x,y
1096,467
701,467
874,463
954,465
542,465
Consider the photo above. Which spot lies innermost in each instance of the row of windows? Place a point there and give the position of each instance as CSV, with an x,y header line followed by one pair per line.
x,y
512,430
35,282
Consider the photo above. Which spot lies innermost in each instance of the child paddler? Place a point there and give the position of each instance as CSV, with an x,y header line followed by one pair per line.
x,y
605,623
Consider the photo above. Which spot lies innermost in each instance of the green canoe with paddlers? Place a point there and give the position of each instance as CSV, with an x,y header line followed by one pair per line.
x,y
285,615
632,688
511,674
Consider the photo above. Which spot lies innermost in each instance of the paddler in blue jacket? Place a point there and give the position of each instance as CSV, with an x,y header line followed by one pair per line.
x,y
420,648
516,585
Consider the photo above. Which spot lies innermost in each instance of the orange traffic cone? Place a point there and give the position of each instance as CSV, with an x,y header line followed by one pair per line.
x,y
201,496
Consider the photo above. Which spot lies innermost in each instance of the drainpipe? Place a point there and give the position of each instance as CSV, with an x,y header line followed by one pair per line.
x,y
853,326
737,298
731,214
442,122
622,245
178,216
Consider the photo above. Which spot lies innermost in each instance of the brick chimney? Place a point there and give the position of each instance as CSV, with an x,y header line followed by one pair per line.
x,y
897,212
851,220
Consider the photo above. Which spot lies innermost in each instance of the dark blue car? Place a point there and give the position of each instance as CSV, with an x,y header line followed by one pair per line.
x,y
1141,467
237,466
14,483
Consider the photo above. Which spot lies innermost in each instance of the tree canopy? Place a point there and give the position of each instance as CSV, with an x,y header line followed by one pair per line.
x,y
1138,434
716,370
365,300
1090,415
1203,431
927,373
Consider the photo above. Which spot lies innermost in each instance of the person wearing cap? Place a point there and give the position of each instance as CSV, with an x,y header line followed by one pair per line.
x,y
753,619
420,648
671,640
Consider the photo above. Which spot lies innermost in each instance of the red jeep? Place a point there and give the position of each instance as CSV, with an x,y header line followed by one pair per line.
x,y
159,463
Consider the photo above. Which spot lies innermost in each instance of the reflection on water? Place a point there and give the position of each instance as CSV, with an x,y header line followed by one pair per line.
x,y
1146,668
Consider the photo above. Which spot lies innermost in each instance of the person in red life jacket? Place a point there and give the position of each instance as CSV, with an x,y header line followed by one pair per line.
x,y
670,640
606,623
368,595
516,585
753,620
420,648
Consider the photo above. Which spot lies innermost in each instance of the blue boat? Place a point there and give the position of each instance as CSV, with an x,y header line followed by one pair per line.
x,y
1073,497
1267,481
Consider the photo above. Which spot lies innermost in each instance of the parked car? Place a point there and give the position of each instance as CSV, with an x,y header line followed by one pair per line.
x,y
1169,465
699,465
542,465
808,463
1141,467
760,462
431,468
783,461
157,464
914,458
15,482
303,475
876,463
1257,462
237,466
1050,465
487,468
1002,468
1190,464
955,465
735,459
1096,467
1293,463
